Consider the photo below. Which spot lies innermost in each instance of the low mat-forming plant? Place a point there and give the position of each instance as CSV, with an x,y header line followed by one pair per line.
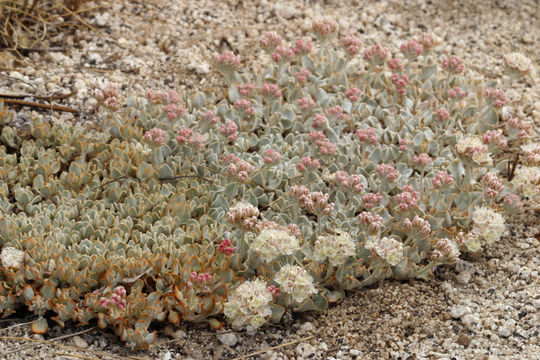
x,y
330,171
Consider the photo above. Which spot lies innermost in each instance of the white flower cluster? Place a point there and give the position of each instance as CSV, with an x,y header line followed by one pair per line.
x,y
488,224
295,281
271,243
335,248
390,249
527,182
12,257
248,304
518,64
473,147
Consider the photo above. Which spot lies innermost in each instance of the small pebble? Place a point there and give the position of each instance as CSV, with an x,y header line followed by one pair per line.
x,y
463,277
228,339
457,311
79,342
464,340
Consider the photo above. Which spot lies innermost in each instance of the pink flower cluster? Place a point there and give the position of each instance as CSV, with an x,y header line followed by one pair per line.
x,y
417,224
173,111
353,182
191,138
325,146
270,41
243,215
319,120
291,229
445,249
240,169
324,28
353,94
496,97
369,135
407,199
523,127
108,97
229,129
226,247
457,93
162,97
372,222
271,156
302,75
427,40
336,113
494,137
442,114
493,185
315,202
370,200
282,54
395,64
227,61
302,47
442,178
245,89
244,106
155,136
512,201
200,278
453,64
209,117
400,81
422,161
306,163
317,136
270,91
376,55
387,172
352,44
274,290
306,103
403,145
412,49
117,299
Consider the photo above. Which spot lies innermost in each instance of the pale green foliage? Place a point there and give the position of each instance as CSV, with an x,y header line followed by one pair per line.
x,y
146,203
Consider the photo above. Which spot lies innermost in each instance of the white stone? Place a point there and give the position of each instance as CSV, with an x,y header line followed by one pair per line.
x,y
179,334
12,257
51,86
307,326
464,277
79,342
94,57
355,352
305,350
200,68
102,19
228,339
505,330
167,356
457,311
472,322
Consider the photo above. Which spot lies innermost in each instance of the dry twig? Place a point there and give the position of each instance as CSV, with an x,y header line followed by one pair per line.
x,y
38,105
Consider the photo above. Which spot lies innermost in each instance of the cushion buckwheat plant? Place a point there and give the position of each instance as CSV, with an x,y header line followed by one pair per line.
x,y
342,164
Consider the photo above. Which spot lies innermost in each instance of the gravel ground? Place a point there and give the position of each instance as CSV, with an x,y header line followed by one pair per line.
x,y
487,307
